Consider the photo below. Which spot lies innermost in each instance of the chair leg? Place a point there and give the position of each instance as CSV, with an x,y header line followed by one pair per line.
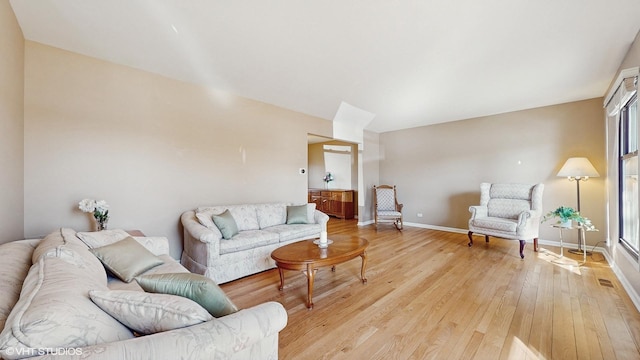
x,y
522,242
398,224
535,244
470,238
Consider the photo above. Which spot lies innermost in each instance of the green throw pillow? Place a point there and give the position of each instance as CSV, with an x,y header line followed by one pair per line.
x,y
196,287
297,214
226,224
126,258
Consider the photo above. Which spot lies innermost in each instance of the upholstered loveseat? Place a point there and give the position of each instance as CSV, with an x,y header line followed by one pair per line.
x,y
261,229
57,302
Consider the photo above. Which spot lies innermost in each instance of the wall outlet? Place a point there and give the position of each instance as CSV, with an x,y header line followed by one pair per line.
x,y
302,171
419,214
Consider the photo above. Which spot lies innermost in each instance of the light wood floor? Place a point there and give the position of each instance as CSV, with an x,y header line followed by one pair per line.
x,y
429,296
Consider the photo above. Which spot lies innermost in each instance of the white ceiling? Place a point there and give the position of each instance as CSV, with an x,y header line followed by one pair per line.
x,y
410,62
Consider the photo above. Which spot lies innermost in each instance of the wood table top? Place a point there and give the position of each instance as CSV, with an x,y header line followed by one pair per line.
x,y
343,248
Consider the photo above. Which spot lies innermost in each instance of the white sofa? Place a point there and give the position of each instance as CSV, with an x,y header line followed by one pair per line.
x,y
45,309
262,228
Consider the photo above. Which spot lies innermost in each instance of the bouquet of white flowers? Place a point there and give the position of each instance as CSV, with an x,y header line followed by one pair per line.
x,y
99,209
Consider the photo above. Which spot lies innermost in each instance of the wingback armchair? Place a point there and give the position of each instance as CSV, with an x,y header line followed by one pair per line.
x,y
508,211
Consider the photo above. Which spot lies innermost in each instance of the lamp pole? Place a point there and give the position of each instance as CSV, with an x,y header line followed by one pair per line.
x,y
578,169
579,251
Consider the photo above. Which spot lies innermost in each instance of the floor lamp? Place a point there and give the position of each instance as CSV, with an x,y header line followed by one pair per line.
x,y
578,169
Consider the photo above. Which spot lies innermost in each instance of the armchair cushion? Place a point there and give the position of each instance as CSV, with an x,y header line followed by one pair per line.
x,y
507,208
495,223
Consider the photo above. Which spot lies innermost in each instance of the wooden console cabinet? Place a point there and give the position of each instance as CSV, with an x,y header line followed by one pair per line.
x,y
338,203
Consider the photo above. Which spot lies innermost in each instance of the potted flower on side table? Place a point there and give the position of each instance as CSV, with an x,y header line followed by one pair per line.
x,y
566,215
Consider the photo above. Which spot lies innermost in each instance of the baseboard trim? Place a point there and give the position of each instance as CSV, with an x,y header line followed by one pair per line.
x,y
635,298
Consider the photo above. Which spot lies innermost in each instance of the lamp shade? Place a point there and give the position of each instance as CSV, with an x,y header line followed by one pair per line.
x,y
578,167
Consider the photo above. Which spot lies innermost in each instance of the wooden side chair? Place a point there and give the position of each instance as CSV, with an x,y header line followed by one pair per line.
x,y
386,206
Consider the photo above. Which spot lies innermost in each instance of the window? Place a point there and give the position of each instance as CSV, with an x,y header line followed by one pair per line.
x,y
628,176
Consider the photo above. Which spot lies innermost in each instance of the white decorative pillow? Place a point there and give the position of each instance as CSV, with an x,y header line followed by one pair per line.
x,y
95,239
149,313
205,218
158,245
311,213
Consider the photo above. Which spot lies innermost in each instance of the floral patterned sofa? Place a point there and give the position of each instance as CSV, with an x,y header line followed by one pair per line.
x,y
261,229
50,308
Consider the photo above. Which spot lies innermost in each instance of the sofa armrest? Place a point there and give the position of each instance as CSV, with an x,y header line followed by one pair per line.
x,y
321,218
193,228
201,245
478,211
228,337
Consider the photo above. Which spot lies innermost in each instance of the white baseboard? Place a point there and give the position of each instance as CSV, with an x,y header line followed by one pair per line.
x,y
635,297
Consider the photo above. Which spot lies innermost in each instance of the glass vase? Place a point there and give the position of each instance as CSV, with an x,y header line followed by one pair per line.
x,y
101,224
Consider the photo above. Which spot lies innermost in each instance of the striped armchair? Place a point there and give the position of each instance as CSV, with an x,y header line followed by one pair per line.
x,y
508,211
386,206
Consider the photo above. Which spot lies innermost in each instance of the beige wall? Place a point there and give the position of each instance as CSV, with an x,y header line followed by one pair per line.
x,y
11,126
438,169
150,146
371,174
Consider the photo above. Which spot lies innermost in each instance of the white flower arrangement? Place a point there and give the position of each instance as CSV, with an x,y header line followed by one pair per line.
x,y
99,209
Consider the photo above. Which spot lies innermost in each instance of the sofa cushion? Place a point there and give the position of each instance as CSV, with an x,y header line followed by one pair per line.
x,y
248,240
96,239
158,245
295,231
196,287
149,313
271,214
15,261
54,309
126,258
245,216
226,224
297,214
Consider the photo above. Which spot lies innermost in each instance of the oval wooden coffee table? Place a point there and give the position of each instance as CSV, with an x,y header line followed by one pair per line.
x,y
307,257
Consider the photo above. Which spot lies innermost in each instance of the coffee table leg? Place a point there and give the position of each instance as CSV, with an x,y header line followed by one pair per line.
x,y
281,278
364,266
310,276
